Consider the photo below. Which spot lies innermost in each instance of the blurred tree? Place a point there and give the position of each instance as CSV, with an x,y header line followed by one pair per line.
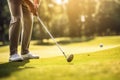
x,y
38,32
74,10
77,18
4,21
81,9
108,18
90,9
55,19
59,21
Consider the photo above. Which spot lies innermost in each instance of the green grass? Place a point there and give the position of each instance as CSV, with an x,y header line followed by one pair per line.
x,y
99,65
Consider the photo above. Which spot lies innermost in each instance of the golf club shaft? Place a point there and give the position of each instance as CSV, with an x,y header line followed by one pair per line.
x,y
51,36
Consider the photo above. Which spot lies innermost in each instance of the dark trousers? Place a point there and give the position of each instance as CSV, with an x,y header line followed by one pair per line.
x,y
21,23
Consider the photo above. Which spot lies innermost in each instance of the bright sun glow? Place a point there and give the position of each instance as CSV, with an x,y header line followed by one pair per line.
x,y
60,2
83,18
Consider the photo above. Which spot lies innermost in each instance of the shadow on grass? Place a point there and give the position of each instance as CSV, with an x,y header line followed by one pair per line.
x,y
6,69
44,43
67,41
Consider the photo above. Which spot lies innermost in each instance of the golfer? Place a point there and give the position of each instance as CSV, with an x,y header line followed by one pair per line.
x,y
21,23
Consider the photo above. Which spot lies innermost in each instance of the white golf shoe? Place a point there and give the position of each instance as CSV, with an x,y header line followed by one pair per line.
x,y
15,58
30,56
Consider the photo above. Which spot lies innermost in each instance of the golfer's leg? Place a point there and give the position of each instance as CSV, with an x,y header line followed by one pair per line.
x,y
14,30
27,30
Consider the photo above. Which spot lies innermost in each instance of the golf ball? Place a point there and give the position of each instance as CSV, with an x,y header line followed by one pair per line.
x,y
101,45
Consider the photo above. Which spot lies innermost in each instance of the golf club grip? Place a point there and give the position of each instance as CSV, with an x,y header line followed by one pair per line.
x,y
50,35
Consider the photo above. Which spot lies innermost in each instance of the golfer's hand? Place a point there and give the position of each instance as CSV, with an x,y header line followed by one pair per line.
x,y
32,8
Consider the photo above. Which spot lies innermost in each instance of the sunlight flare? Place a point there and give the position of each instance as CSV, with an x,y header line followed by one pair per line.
x,y
60,2
83,18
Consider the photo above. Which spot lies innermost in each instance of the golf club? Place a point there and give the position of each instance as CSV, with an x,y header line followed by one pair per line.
x,y
71,56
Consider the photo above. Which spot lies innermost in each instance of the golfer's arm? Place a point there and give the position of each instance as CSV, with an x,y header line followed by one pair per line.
x,y
28,2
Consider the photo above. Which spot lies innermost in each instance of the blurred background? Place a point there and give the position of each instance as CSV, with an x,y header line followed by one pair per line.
x,y
69,18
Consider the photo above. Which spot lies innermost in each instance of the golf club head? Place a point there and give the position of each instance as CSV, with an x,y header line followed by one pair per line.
x,y
70,58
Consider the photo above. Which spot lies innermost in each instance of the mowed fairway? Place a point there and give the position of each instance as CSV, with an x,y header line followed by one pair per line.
x,y
91,62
